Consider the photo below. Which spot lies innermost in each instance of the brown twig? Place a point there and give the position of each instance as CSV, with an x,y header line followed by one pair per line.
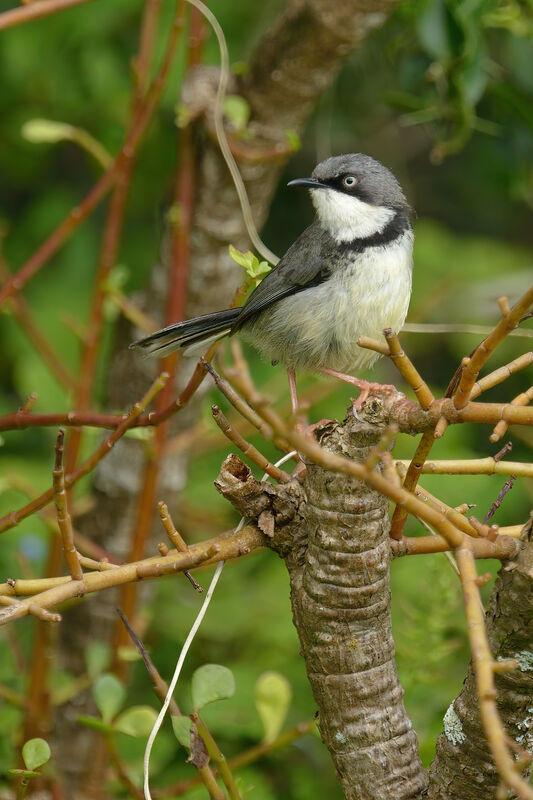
x,y
255,456
407,369
176,539
506,488
100,189
508,322
16,16
217,757
48,592
412,475
13,518
505,548
484,670
21,312
500,428
64,520
501,374
476,466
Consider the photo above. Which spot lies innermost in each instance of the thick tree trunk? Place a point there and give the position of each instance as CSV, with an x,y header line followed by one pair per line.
x,y
341,605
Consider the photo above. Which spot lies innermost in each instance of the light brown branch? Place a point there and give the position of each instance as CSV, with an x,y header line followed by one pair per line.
x,y
248,449
48,592
507,323
407,369
475,466
500,429
64,520
178,542
501,374
483,666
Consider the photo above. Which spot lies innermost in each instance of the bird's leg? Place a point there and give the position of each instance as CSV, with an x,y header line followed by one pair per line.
x,y
365,386
292,389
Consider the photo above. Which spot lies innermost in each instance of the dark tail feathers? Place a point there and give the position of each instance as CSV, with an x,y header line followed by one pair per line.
x,y
183,335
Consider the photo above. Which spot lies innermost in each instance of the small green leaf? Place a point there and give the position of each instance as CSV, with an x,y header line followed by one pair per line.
x,y
46,130
244,260
109,695
237,111
182,730
211,682
273,695
136,721
35,753
95,723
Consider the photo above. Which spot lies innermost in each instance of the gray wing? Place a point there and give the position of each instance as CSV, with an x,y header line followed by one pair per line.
x,y
303,265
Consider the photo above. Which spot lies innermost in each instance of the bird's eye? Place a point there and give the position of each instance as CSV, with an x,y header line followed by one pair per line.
x,y
349,181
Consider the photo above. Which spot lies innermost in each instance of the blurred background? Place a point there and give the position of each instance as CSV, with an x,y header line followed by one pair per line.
x,y
441,93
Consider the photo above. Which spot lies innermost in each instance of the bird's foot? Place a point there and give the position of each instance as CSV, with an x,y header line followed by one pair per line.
x,y
365,387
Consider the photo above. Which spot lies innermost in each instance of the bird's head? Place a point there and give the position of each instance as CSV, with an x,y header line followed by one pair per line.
x,y
354,195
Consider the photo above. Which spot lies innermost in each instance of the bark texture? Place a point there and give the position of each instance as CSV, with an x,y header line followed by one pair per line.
x,y
333,533
463,768
341,607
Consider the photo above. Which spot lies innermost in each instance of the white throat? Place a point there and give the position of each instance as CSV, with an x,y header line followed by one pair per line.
x,y
348,218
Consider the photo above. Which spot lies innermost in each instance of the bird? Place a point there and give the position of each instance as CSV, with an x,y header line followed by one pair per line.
x,y
347,275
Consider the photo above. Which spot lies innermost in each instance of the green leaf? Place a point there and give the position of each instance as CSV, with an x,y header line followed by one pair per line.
x,y
237,111
254,268
244,260
182,730
273,695
35,753
95,723
211,682
109,695
136,721
46,130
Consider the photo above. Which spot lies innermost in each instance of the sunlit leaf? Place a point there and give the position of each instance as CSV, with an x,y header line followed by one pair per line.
x,y
211,682
35,753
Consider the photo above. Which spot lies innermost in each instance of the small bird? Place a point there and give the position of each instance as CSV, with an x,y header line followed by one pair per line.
x,y
347,275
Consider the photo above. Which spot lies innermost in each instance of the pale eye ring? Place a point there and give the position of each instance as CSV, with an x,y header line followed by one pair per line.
x,y
350,181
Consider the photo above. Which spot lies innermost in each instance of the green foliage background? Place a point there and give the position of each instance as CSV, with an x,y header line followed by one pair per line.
x,y
441,78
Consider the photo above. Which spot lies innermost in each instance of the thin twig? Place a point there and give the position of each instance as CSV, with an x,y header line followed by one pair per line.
x,y
407,369
176,539
500,428
16,16
255,456
508,322
506,488
12,519
484,671
64,520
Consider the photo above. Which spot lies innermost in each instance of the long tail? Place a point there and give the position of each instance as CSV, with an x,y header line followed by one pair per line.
x,y
189,335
